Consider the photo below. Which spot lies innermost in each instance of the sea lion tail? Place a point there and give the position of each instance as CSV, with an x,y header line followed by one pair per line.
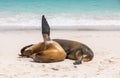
x,y
45,29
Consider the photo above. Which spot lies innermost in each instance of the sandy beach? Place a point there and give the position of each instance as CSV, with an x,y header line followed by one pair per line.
x,y
105,64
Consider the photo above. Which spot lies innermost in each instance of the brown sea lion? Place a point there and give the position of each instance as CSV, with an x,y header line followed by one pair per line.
x,y
50,52
47,51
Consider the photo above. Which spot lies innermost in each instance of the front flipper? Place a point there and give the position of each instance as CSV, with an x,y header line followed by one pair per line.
x,y
79,57
24,48
77,62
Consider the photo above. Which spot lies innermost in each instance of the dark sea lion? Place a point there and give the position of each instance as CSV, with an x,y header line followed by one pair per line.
x,y
47,51
76,50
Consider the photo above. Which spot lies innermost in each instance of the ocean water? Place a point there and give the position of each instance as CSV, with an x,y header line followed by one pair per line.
x,y
60,13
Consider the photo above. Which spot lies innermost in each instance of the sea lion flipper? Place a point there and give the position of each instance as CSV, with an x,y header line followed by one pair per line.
x,y
45,26
23,50
45,29
79,57
77,62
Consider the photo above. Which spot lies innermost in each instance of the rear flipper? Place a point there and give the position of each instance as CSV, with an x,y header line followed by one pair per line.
x,y
45,29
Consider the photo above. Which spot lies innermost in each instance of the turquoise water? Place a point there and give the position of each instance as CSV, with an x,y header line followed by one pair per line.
x,y
26,13
60,6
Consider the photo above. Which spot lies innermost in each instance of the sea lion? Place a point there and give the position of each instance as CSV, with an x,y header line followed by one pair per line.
x,y
74,50
47,51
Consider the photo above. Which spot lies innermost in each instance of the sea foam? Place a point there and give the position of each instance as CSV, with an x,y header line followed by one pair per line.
x,y
60,21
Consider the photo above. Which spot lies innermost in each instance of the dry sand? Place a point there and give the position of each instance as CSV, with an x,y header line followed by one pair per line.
x,y
105,44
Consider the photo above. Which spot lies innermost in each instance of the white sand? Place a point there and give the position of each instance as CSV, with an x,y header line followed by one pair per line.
x,y
105,44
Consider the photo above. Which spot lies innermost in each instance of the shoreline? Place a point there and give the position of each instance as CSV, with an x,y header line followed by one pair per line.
x,y
75,28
